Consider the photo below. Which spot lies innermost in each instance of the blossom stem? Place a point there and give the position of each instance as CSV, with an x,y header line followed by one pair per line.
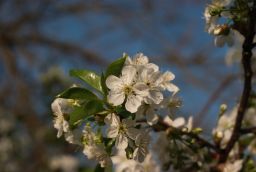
x,y
248,130
246,61
162,126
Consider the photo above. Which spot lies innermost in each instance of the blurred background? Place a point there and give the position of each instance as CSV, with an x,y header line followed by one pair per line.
x,y
41,40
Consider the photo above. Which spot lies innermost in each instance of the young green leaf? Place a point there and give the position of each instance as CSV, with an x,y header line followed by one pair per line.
x,y
103,84
77,114
77,93
115,68
89,77
94,106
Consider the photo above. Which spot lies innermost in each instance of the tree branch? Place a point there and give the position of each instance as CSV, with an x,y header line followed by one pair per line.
x,y
162,126
246,61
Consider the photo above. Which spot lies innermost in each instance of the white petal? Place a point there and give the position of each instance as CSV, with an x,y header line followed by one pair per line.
x,y
151,117
168,76
140,59
190,123
133,133
178,122
156,96
133,103
140,89
112,131
140,154
128,74
114,83
56,107
172,88
128,123
121,141
168,120
152,66
116,98
112,119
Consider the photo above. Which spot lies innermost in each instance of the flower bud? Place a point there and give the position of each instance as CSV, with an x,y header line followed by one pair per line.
x,y
197,130
223,108
217,137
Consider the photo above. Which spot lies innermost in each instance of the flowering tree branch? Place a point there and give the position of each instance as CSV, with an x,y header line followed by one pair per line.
x,y
246,61
161,125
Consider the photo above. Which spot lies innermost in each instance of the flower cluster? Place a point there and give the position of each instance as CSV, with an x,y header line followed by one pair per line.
x,y
116,124
140,83
222,17
133,101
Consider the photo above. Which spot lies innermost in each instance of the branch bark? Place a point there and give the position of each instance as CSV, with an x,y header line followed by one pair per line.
x,y
246,61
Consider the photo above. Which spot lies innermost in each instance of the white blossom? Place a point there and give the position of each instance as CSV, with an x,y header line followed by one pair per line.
x,y
93,148
125,87
150,77
120,130
60,107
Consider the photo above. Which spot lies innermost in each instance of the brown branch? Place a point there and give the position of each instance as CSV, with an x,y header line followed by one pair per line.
x,y
246,61
162,126
248,130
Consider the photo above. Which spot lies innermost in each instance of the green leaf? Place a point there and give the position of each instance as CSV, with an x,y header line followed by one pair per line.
x,y
93,107
77,114
89,77
103,84
77,93
115,68
86,111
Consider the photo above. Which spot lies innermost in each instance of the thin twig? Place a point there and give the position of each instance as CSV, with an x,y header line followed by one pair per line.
x,y
162,126
248,130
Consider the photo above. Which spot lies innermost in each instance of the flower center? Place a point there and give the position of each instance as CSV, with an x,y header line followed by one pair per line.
x,y
127,90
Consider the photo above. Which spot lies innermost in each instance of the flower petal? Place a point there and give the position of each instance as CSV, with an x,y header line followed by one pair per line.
x,y
112,131
128,74
133,103
121,141
133,133
155,96
151,117
114,82
116,97
112,119
178,122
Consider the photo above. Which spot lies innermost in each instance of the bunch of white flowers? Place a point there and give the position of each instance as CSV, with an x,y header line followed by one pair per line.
x,y
118,119
133,101
140,83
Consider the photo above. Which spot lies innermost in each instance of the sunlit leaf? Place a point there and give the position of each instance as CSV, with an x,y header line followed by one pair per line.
x,y
77,93
115,68
89,77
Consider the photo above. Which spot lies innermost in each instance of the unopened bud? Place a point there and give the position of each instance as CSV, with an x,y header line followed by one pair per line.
x,y
197,130
223,107
218,136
